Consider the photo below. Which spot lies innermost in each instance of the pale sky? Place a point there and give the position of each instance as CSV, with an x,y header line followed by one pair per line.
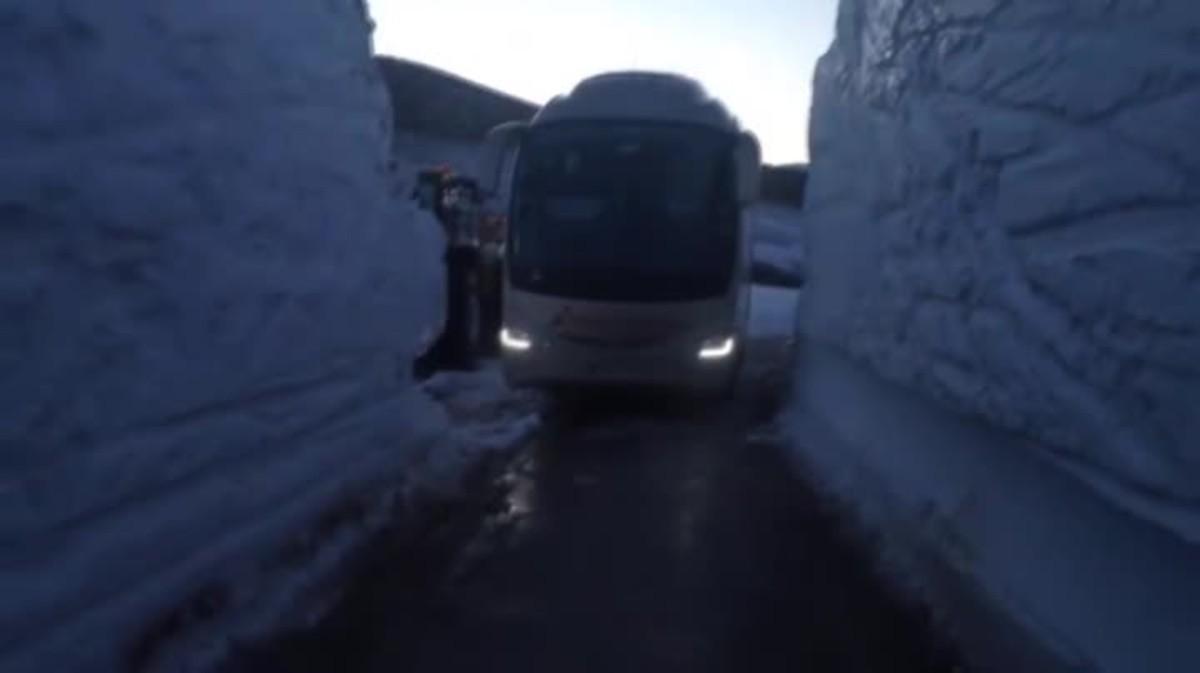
x,y
755,55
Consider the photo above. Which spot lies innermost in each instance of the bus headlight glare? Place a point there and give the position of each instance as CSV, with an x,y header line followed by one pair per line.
x,y
717,349
515,340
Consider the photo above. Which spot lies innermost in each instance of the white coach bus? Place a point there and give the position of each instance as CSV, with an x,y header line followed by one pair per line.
x,y
628,253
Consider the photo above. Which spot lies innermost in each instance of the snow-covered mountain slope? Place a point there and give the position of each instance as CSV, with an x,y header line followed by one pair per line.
x,y
1004,211
207,287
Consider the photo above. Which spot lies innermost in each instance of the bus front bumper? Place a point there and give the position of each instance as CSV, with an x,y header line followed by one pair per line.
x,y
677,366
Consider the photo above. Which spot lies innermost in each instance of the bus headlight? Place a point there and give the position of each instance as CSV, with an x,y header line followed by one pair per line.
x,y
718,348
515,340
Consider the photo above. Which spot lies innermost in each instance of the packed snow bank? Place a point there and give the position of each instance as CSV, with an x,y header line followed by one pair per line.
x,y
487,414
207,292
305,580
1028,568
1002,213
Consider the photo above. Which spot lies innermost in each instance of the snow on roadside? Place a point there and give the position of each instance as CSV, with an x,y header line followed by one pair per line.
x,y
773,312
298,585
776,240
1080,581
485,415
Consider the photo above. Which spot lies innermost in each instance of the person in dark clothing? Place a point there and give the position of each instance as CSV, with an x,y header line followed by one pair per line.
x,y
454,200
491,284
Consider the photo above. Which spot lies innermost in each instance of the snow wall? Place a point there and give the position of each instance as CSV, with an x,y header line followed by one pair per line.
x,y
1005,213
207,288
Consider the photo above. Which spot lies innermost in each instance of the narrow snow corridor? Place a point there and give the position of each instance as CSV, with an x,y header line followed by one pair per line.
x,y
632,534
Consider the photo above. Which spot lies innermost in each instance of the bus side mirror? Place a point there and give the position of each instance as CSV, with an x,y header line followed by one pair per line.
x,y
749,168
501,142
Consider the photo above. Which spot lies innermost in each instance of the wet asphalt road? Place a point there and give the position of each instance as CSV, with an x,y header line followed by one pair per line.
x,y
631,535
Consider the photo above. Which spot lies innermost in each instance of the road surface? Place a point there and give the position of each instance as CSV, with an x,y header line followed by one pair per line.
x,y
631,535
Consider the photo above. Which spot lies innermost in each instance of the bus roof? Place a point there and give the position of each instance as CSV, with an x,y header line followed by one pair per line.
x,y
641,96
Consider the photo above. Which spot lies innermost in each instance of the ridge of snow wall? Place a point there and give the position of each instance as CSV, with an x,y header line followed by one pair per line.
x,y
1004,212
210,293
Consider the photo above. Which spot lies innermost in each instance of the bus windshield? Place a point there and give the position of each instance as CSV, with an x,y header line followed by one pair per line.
x,y
624,212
